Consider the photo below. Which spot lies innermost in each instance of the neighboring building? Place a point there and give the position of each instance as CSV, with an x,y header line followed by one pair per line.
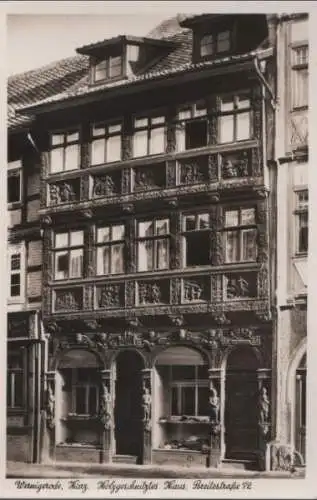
x,y
292,230
158,246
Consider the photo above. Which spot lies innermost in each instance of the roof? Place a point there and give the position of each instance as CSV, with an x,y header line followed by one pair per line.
x,y
68,79
91,48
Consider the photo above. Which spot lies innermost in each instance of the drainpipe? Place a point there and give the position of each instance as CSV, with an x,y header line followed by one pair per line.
x,y
32,142
259,68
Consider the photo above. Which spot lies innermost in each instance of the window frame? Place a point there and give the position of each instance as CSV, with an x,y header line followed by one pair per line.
x,y
235,112
214,43
298,212
109,244
153,238
297,71
240,229
149,116
65,132
69,248
185,232
18,249
14,169
105,59
180,384
195,116
11,373
87,385
105,136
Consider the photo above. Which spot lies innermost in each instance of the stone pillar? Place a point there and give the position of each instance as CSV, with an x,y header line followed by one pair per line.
x,y
106,415
215,416
50,421
264,413
147,415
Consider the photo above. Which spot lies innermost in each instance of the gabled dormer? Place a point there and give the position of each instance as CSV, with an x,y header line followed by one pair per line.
x,y
123,56
220,35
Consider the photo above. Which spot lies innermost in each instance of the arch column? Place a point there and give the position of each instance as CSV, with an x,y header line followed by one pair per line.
x,y
216,403
106,414
264,412
147,402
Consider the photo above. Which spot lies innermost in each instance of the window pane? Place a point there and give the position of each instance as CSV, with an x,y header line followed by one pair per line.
x,y
145,256
98,130
232,246
80,394
247,216
226,125
157,120
249,245
61,265
117,259
175,406
206,45
61,240
180,138
117,233
18,389
223,41
76,238
76,263
190,223
300,87
92,400
162,247
72,157
200,109
115,66
9,389
15,285
227,104
14,188
72,137
157,141
243,126
103,234
57,139
114,148
103,260
140,143
98,149
56,157
15,262
101,71
232,218
141,122
196,134
203,221
184,114
303,232
162,226
113,129
146,229
203,401
188,401
183,372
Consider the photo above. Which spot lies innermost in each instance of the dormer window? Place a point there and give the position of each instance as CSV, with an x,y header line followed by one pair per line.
x,y
215,43
107,68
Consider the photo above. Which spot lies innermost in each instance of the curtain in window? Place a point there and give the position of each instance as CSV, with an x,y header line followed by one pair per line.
x,y
145,257
114,148
72,157
76,264
232,246
157,142
98,151
57,160
117,258
248,244
140,143
162,254
226,125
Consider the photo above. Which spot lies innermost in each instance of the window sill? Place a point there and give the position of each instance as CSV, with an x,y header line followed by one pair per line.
x,y
15,205
187,421
80,418
79,445
301,255
300,108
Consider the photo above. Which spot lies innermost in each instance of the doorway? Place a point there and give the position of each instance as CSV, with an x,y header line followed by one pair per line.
x,y
128,412
241,405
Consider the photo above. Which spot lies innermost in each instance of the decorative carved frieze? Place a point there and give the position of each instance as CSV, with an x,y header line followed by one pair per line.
x,y
64,192
149,177
153,292
216,235
84,187
170,173
129,293
196,289
237,164
68,300
175,240
88,297
110,295
176,286
257,168
107,185
240,285
213,168
126,180
194,170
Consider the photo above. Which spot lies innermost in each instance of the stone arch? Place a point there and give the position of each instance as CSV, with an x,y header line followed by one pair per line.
x,y
112,356
231,349
61,351
206,355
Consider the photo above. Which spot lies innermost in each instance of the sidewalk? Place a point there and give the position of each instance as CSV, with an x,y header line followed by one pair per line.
x,y
83,470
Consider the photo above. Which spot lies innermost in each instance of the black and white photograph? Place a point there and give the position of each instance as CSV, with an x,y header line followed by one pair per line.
x,y
157,236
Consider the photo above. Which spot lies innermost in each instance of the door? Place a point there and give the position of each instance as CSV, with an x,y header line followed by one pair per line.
x,y
241,406
128,405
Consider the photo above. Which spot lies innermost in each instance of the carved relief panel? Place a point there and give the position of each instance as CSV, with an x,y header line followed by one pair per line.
x,y
153,292
64,192
110,296
70,299
236,165
240,285
108,184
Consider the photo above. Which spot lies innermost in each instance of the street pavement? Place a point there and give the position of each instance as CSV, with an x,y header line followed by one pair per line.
x,y
88,471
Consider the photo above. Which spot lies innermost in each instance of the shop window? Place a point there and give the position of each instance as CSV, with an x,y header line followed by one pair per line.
x,y
68,255
148,136
301,214
65,151
106,143
235,118
191,128
153,244
14,183
15,377
216,43
16,272
240,235
196,237
110,249
300,77
189,391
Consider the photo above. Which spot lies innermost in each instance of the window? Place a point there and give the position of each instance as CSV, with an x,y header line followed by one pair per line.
x,y
16,270
240,235
85,391
191,129
109,67
300,76
15,389
196,232
214,44
189,391
149,136
106,143
153,244
14,182
302,221
110,249
68,255
235,118
65,151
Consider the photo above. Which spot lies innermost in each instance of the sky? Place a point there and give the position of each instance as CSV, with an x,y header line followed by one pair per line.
x,y
42,32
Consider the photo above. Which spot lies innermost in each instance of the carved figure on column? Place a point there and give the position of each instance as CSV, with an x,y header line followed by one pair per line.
x,y
146,402
105,407
50,408
264,410
214,405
